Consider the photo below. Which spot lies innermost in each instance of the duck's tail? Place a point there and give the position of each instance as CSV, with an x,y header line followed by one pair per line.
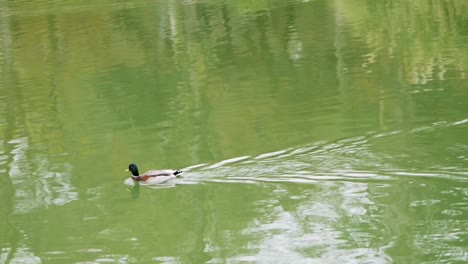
x,y
178,172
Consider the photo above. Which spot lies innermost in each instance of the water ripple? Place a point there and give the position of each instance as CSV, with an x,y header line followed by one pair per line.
x,y
36,183
348,159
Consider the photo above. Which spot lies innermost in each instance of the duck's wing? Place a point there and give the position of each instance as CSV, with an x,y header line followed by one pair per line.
x,y
156,173
159,179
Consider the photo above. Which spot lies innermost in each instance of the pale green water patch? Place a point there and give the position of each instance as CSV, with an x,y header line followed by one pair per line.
x,y
310,131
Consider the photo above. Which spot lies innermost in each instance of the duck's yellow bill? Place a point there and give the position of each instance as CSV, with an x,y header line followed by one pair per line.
x,y
127,170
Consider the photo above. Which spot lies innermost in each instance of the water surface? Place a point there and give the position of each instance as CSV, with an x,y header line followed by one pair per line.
x,y
310,131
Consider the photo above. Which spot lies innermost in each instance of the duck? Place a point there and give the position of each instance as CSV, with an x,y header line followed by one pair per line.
x,y
153,176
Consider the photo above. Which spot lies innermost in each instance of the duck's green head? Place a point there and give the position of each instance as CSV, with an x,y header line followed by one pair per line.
x,y
134,169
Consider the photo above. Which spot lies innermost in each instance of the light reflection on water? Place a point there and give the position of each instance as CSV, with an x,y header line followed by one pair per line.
x,y
34,182
344,213
316,138
329,202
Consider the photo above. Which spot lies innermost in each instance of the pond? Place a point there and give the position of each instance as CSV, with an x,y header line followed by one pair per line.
x,y
308,131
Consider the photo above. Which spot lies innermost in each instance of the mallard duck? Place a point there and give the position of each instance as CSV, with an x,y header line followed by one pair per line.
x,y
153,176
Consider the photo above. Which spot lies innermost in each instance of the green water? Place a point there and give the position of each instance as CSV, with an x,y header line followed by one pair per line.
x,y
310,131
